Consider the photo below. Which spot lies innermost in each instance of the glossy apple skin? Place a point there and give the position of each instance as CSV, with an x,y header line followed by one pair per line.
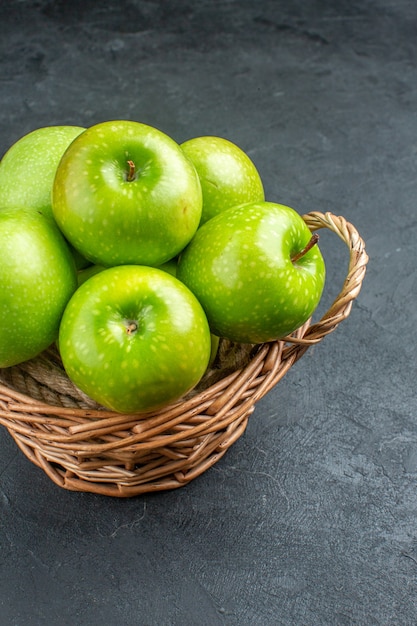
x,y
27,169
227,175
134,338
171,268
37,278
239,265
112,220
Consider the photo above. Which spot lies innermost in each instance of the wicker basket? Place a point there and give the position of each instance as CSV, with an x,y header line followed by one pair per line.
x,y
83,447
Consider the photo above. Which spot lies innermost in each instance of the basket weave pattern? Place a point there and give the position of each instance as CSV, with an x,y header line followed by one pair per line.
x,y
83,447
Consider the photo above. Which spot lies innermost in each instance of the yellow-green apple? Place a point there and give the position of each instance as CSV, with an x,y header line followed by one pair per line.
x,y
27,169
37,278
227,174
134,338
125,193
257,271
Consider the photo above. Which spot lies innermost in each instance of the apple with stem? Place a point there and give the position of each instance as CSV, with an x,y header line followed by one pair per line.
x,y
37,278
134,338
227,175
257,271
125,193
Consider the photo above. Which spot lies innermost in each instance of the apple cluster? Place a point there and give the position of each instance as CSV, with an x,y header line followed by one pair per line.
x,y
134,254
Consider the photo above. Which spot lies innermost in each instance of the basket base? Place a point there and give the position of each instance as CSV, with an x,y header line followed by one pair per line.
x,y
158,471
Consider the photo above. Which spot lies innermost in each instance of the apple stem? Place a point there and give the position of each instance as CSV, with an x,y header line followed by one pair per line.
x,y
131,328
131,171
314,239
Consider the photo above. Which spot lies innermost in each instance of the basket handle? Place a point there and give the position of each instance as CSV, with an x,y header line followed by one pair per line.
x,y
340,309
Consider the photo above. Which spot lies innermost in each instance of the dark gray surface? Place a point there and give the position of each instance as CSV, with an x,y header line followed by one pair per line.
x,y
310,518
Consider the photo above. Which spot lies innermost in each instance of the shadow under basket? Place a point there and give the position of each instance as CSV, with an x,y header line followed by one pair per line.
x,y
83,447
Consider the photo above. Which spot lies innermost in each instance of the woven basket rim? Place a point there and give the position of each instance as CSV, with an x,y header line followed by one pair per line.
x,y
83,447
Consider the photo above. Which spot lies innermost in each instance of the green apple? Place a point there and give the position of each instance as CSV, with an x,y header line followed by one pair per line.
x,y
125,193
228,176
27,170
37,278
134,338
257,271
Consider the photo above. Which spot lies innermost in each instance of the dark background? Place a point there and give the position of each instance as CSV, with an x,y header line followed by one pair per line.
x,y
311,517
